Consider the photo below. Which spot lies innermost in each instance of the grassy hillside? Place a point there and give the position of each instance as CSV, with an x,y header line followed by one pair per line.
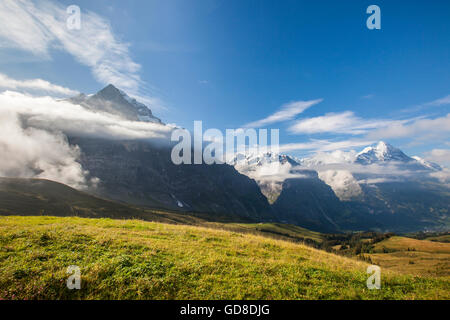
x,y
45,197
272,230
416,257
38,197
443,238
122,259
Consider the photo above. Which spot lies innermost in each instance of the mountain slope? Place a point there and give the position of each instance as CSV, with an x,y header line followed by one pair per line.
x,y
45,197
141,173
310,203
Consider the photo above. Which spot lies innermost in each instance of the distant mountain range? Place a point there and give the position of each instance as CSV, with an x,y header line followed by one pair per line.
x,y
379,188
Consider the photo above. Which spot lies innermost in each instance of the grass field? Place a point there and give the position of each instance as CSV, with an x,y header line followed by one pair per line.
x,y
444,238
416,257
132,259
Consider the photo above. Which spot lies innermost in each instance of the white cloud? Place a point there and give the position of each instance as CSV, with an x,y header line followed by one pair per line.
x,y
435,103
345,122
441,156
324,145
36,153
342,182
33,142
287,112
20,28
419,129
49,113
443,176
40,26
34,85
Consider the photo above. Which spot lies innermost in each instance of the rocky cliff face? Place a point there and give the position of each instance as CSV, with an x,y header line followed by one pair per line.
x,y
143,174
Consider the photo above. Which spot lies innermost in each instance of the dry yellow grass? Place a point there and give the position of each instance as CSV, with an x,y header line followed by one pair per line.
x,y
412,256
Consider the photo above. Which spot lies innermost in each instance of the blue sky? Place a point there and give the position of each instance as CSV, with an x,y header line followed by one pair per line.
x,y
231,63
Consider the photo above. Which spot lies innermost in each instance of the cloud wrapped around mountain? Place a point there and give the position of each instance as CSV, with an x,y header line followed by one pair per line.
x,y
37,153
34,143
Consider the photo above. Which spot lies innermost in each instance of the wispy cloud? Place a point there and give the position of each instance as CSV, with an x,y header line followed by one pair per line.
x,y
287,112
324,145
40,27
418,129
435,103
439,102
34,85
344,122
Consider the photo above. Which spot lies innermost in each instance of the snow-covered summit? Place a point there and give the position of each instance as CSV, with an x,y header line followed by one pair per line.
x,y
381,152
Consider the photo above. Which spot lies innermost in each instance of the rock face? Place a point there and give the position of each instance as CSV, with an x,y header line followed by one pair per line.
x,y
309,202
143,174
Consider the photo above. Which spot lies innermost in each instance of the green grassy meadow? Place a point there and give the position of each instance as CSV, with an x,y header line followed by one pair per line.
x,y
133,259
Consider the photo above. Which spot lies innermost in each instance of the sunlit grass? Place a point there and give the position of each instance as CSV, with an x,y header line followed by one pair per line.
x,y
412,256
131,259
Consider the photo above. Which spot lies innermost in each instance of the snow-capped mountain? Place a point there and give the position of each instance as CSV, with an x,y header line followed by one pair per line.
x,y
379,187
346,172
269,170
115,101
263,159
381,152
427,164
329,158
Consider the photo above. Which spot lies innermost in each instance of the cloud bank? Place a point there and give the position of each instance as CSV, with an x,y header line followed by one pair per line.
x,y
34,143
34,85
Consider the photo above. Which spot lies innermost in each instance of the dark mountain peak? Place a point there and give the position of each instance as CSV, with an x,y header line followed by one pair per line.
x,y
112,100
110,88
111,93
